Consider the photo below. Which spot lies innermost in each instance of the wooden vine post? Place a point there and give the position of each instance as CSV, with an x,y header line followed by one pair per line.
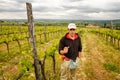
x,y
45,32
32,40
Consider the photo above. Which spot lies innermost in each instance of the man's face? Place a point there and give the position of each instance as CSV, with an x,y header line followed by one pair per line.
x,y
72,32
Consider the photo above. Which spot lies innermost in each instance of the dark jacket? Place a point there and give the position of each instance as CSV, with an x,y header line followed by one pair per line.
x,y
74,46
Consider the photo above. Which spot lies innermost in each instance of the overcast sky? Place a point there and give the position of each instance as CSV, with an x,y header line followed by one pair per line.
x,y
61,9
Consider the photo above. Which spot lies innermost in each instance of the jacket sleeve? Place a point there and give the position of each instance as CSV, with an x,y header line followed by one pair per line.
x,y
61,44
80,45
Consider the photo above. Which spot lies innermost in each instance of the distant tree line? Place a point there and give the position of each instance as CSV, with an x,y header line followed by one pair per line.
x,y
15,23
115,26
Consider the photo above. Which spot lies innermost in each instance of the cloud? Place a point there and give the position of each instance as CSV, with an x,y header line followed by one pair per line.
x,y
69,9
11,6
91,7
24,1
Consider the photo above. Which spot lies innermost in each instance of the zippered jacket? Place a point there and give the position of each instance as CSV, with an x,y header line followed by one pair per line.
x,y
74,46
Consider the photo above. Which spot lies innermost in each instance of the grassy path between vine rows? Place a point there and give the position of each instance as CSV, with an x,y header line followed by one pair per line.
x,y
99,60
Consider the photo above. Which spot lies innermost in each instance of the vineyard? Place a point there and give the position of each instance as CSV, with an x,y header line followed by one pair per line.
x,y
100,56
29,47
15,48
29,53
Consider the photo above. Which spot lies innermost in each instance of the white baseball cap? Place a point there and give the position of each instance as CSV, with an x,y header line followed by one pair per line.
x,y
71,26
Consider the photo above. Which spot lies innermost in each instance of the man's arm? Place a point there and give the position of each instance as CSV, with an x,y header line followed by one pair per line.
x,y
63,49
80,48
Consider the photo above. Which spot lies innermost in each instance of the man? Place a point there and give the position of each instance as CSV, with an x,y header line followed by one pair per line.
x,y
70,48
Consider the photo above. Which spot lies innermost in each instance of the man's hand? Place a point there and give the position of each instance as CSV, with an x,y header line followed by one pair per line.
x,y
79,54
65,50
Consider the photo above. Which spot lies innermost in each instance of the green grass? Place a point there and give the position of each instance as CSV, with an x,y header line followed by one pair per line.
x,y
111,67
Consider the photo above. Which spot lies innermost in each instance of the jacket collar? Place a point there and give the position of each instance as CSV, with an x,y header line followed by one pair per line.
x,y
68,36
